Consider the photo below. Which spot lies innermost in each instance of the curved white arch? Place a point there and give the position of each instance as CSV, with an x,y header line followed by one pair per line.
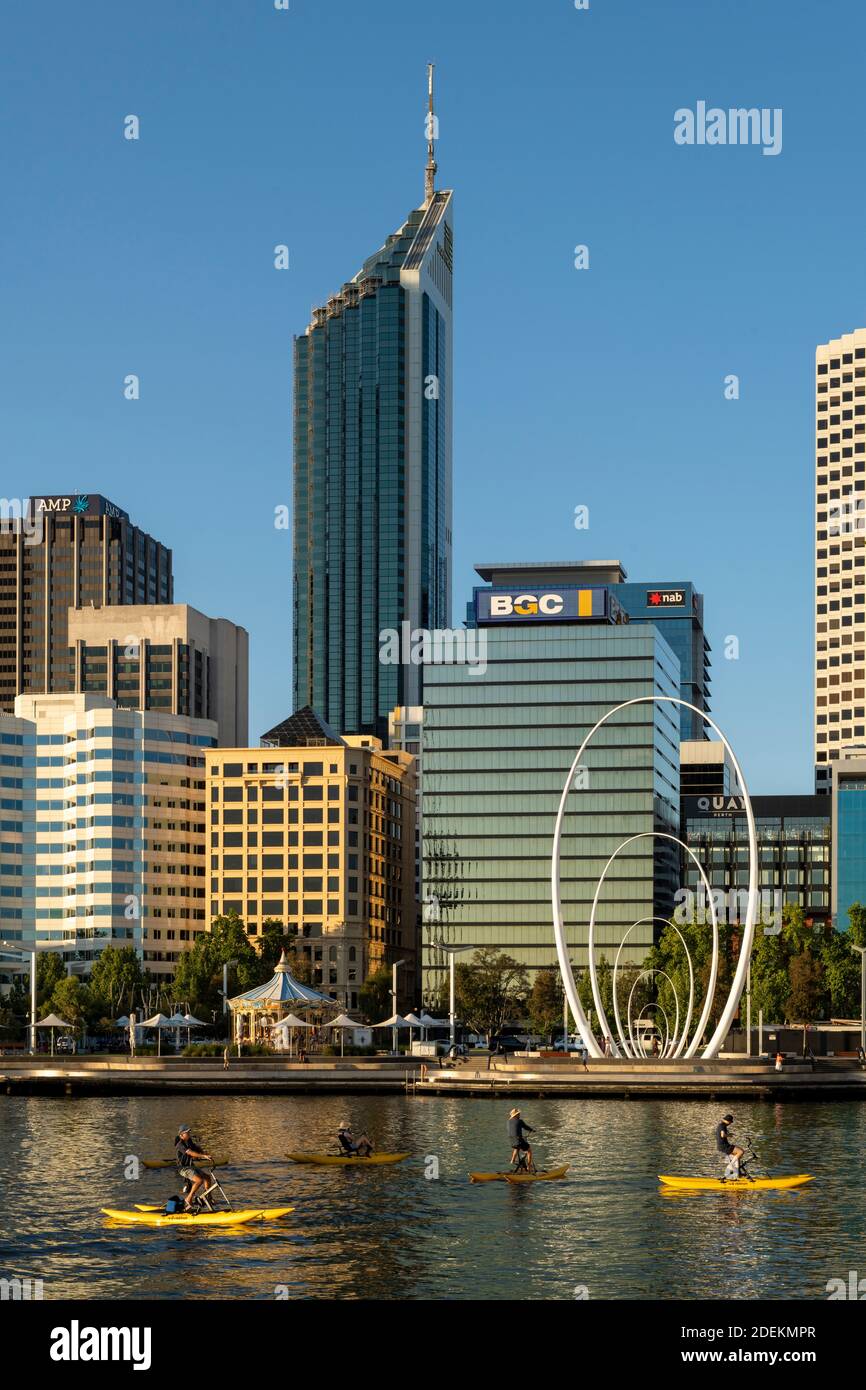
x,y
640,922
739,980
653,1005
714,964
652,970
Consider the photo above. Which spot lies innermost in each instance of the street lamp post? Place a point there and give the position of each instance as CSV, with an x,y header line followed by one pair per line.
x,y
225,990
451,952
394,968
862,950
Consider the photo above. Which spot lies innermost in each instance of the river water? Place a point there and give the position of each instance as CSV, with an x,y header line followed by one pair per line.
x,y
395,1233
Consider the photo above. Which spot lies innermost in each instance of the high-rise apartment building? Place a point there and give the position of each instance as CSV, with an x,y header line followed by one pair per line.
x,y
63,552
103,828
168,657
317,831
372,470
840,552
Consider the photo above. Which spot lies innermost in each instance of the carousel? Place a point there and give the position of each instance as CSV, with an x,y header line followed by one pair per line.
x,y
257,1012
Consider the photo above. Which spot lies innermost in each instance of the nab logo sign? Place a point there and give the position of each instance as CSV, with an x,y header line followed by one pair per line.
x,y
525,605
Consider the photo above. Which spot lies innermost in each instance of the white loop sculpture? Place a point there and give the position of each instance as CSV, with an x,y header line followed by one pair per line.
x,y
739,980
676,1033
637,1045
714,967
651,1005
614,986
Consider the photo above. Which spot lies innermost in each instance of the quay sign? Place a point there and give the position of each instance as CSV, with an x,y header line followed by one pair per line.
x,y
564,605
722,805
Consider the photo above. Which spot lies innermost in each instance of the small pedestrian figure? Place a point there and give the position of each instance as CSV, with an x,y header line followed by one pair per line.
x,y
226,1057
779,1061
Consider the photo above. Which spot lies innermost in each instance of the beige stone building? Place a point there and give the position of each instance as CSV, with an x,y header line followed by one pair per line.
x,y
840,552
165,656
317,831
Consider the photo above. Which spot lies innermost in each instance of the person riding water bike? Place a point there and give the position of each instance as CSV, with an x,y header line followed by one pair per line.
x,y
725,1146
187,1154
352,1147
521,1151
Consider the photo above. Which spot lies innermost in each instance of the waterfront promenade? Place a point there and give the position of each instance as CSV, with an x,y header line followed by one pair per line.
x,y
615,1078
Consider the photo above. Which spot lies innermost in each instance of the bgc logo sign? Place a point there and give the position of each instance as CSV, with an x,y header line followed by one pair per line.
x,y
526,605
566,605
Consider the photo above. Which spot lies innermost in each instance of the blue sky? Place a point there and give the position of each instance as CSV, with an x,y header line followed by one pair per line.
x,y
602,387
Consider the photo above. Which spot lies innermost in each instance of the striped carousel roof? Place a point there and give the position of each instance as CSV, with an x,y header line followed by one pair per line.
x,y
281,989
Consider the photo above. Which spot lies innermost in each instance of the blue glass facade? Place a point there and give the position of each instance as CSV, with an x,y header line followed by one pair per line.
x,y
497,747
850,844
372,475
678,610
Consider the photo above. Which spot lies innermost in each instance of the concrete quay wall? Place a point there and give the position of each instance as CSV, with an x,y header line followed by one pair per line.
x,y
613,1078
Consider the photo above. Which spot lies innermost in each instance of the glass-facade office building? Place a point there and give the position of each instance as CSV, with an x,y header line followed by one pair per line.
x,y
676,608
794,850
849,839
497,746
372,474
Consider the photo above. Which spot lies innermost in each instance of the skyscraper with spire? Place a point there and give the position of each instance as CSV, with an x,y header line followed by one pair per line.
x,y
372,468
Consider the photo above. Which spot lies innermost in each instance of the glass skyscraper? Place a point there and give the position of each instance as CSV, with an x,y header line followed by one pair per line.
x,y
498,740
372,472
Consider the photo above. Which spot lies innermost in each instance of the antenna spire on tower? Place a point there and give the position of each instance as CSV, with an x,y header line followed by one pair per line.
x,y
430,170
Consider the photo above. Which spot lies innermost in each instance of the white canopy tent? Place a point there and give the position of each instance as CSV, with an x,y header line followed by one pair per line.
x,y
342,1021
394,1022
159,1021
288,1025
52,1021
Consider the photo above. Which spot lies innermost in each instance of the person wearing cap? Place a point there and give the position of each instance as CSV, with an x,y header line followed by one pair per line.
x,y
187,1154
351,1147
521,1151
725,1146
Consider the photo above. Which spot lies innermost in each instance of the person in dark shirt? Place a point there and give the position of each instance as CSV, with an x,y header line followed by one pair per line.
x,y
726,1146
187,1154
521,1151
350,1146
